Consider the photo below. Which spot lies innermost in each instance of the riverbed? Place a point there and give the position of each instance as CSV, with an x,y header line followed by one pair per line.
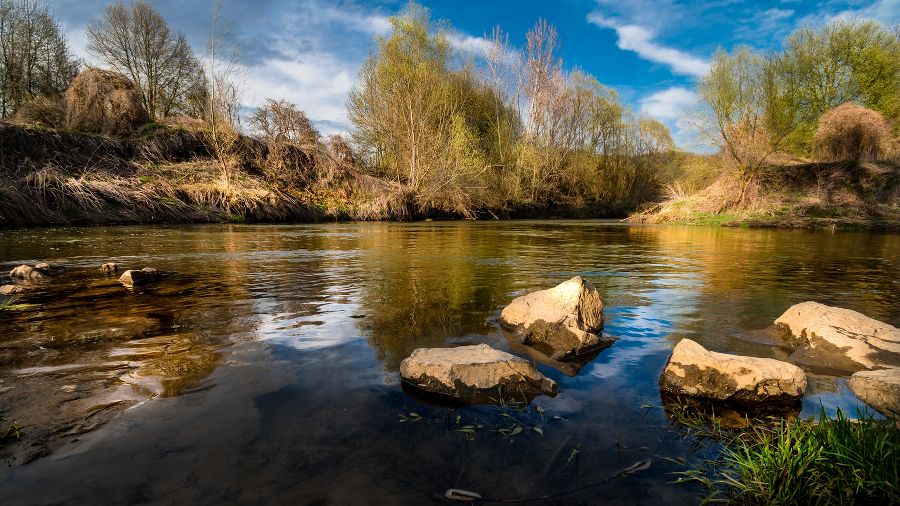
x,y
265,368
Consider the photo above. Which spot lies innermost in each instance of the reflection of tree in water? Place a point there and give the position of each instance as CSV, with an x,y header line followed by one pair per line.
x,y
744,279
429,285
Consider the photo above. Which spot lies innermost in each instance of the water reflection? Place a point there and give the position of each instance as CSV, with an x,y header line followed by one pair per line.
x,y
333,309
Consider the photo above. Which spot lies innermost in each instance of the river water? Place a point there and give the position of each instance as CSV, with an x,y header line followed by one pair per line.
x,y
264,369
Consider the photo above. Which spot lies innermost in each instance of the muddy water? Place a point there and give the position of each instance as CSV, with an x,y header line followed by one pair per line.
x,y
265,369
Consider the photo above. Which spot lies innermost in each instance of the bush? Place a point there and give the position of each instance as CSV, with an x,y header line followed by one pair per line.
x,y
41,111
104,102
851,132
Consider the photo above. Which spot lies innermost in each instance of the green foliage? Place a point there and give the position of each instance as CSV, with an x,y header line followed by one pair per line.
x,y
825,461
469,139
763,104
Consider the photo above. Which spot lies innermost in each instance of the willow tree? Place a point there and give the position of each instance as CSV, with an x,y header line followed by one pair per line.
x,y
420,121
34,58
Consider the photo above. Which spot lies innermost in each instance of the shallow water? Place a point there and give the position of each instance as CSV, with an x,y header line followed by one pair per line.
x,y
265,370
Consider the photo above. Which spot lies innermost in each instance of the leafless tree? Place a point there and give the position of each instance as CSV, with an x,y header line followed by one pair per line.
x,y
34,58
281,121
136,40
223,93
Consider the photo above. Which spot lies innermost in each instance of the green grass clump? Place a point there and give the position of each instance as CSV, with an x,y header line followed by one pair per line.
x,y
825,461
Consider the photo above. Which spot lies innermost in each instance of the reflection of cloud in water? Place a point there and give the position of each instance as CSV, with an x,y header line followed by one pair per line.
x,y
641,330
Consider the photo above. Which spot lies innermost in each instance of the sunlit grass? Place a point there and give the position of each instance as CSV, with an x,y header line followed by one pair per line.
x,y
825,461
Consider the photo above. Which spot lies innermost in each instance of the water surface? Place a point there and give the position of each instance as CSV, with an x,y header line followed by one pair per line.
x,y
265,370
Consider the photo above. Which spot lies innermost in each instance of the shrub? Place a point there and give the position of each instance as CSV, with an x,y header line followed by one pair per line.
x,y
851,132
41,111
104,102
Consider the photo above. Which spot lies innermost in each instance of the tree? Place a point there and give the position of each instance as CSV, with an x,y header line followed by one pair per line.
x,y
846,60
34,58
221,98
281,121
137,41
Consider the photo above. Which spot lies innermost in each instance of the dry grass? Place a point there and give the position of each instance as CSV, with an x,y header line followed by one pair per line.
x,y
851,195
166,176
851,132
104,102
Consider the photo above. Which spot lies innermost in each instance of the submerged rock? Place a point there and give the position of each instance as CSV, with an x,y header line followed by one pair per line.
x,y
695,371
146,275
25,272
563,321
842,337
48,268
11,290
39,271
109,268
474,374
879,389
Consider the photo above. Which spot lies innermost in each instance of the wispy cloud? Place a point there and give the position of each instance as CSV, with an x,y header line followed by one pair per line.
x,y
636,38
673,106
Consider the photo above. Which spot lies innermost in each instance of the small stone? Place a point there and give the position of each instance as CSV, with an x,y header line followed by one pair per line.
x,y
11,290
109,268
144,276
695,371
25,272
474,374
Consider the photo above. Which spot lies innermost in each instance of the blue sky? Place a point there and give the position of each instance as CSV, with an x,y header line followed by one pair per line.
x,y
652,52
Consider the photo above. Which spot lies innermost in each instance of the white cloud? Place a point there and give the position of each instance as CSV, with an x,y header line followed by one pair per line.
x,y
640,40
674,107
317,82
670,103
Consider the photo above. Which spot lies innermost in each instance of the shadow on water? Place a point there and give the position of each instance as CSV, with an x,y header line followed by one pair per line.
x,y
270,360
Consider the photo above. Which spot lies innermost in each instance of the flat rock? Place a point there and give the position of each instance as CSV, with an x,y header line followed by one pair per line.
x,y
695,371
110,268
474,374
11,290
841,337
563,321
144,276
880,389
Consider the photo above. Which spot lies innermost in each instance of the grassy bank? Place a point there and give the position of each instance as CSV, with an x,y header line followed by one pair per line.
x,y
826,461
166,176
844,195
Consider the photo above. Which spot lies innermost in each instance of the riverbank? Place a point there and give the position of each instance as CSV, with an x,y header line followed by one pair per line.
x,y
166,175
842,195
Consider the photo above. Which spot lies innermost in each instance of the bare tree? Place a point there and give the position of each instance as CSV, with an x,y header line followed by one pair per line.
x,y
137,41
222,98
34,58
281,121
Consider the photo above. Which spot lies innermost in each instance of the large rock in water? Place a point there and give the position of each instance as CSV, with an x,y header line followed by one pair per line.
x,y
146,275
695,371
843,338
563,321
104,102
474,374
879,389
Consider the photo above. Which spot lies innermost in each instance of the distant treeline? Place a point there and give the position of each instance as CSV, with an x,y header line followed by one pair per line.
x,y
510,131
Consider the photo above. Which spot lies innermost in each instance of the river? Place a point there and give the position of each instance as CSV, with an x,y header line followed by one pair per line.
x,y
264,369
